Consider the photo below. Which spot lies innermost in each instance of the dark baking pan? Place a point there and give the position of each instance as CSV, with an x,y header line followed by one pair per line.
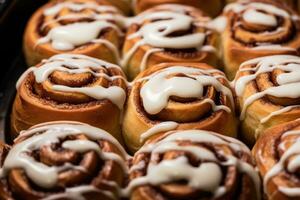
x,y
14,15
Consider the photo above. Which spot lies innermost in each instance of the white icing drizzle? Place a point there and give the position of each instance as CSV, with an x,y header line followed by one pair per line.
x,y
256,17
156,92
67,37
262,14
156,32
218,24
75,64
288,82
52,133
77,193
278,112
143,64
207,176
242,6
272,47
78,7
292,166
158,128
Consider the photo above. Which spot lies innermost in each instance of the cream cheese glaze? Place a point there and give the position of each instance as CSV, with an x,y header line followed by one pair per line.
x,y
162,24
156,92
51,133
76,64
283,164
263,14
174,18
69,36
288,82
207,176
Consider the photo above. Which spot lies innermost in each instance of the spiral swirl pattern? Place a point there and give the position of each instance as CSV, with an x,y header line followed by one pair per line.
x,y
276,154
260,28
63,159
193,164
168,33
268,85
73,87
76,26
190,95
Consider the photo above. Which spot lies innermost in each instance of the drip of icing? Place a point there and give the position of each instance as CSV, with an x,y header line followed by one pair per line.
x,y
156,33
77,193
207,176
262,14
18,156
158,89
218,24
240,7
54,10
161,127
278,112
255,17
273,47
115,94
78,64
143,64
68,37
161,173
288,82
292,166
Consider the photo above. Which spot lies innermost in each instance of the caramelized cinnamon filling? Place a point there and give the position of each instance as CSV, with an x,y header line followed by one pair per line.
x,y
250,34
179,189
85,169
184,110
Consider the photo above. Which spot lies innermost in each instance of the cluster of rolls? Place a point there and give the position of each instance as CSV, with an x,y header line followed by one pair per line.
x,y
157,105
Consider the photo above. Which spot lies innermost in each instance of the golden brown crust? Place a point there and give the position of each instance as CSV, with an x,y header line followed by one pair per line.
x,y
268,151
238,185
266,111
37,28
189,113
17,185
240,37
213,7
122,5
37,102
133,67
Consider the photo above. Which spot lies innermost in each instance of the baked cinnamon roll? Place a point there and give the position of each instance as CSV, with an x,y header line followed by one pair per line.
x,y
178,96
212,7
74,26
70,87
62,160
258,28
193,164
267,90
168,33
277,153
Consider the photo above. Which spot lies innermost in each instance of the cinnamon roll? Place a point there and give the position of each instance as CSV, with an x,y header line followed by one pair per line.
x,y
212,7
193,164
70,87
168,33
74,26
178,96
268,94
62,160
277,153
258,28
